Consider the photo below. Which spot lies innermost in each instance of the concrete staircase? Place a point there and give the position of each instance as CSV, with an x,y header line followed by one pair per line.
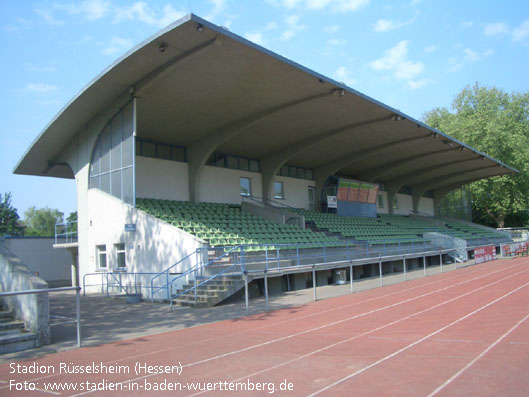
x,y
214,291
210,293
13,335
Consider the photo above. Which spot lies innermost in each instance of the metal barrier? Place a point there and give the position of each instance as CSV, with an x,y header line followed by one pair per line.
x,y
51,290
117,279
66,233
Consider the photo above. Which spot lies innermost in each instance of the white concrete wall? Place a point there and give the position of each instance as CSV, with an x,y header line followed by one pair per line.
x,y
296,191
222,185
405,204
426,206
51,265
385,209
153,247
161,179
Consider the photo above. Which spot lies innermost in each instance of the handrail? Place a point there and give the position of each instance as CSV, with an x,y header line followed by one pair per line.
x,y
166,272
70,233
60,289
196,268
113,275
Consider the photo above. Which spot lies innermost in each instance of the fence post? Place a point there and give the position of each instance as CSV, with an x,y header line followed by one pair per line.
x,y
404,264
441,261
167,284
351,275
78,314
424,264
314,281
246,292
380,272
266,287
195,286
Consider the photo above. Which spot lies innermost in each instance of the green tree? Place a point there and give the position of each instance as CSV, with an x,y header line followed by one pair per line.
x,y
9,220
41,221
496,123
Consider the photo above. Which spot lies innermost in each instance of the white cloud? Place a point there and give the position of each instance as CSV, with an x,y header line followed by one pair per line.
x,y
416,84
495,29
48,17
39,88
521,31
431,48
318,5
343,75
385,25
467,24
271,26
142,12
256,37
117,44
89,9
293,27
331,29
336,42
36,68
218,7
396,61
456,63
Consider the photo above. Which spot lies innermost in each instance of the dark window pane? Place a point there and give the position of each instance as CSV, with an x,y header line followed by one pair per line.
x,y
163,151
148,149
254,166
233,163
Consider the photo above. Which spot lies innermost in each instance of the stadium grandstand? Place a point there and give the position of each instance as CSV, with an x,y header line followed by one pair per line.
x,y
204,162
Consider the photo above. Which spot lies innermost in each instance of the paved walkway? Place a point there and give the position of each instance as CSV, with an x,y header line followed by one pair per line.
x,y
107,319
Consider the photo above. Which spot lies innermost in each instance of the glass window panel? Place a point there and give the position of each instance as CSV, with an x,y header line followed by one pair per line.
x,y
278,190
163,151
94,182
96,161
128,183
105,150
127,149
308,174
233,162
221,160
116,142
243,164
311,198
301,173
138,147
178,154
148,149
292,172
120,255
105,183
254,166
101,252
284,170
245,187
116,184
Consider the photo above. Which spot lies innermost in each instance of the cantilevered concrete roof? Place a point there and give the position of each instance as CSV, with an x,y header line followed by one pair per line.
x,y
200,86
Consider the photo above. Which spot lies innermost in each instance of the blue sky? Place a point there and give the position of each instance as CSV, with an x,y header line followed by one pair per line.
x,y
413,55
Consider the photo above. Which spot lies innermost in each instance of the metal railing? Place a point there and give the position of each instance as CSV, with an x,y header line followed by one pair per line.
x,y
66,232
116,283
51,290
166,272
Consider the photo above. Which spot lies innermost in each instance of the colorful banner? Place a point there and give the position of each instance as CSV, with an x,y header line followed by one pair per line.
x,y
356,191
484,254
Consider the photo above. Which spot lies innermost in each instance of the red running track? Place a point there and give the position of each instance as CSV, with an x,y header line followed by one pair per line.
x,y
465,332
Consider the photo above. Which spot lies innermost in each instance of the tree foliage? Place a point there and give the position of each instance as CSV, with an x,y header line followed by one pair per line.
x,y
9,220
41,221
496,123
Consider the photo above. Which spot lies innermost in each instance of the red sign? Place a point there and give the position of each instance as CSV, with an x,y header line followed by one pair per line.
x,y
484,254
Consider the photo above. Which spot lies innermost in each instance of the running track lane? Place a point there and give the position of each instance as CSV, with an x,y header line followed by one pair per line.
x,y
227,350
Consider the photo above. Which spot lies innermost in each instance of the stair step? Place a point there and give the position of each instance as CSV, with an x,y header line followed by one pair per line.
x,y
15,341
13,324
208,292
179,302
204,287
6,314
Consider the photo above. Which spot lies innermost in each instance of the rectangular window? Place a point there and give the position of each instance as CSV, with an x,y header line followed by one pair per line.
x,y
233,162
312,203
120,255
243,164
246,187
101,252
395,203
254,165
279,193
380,201
163,151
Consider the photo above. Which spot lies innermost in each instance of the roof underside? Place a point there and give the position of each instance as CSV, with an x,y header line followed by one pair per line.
x,y
211,81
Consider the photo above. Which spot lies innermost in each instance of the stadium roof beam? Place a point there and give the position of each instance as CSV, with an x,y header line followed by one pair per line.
x,y
373,174
323,172
271,164
198,152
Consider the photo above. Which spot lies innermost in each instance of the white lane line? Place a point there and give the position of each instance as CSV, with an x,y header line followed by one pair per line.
x,y
458,373
416,342
309,330
260,372
463,274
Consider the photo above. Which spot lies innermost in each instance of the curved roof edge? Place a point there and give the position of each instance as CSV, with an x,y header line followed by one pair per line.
x,y
44,145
